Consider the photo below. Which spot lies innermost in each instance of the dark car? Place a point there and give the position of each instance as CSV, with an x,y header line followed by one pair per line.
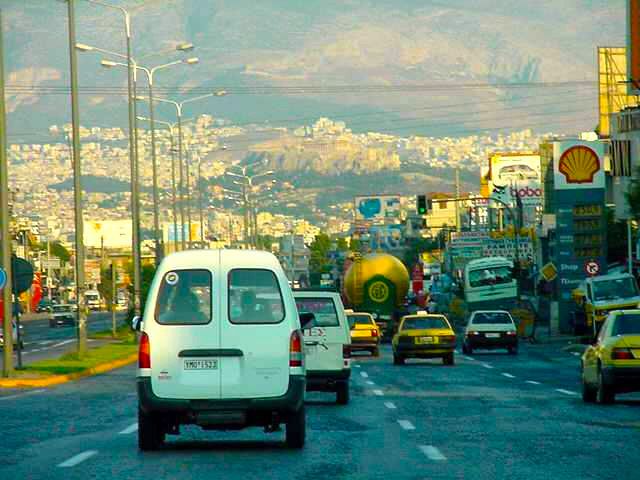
x,y
62,315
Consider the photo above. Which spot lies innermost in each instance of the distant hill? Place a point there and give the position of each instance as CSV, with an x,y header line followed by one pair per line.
x,y
282,45
95,184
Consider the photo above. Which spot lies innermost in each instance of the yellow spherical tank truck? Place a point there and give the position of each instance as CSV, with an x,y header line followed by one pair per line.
x,y
378,284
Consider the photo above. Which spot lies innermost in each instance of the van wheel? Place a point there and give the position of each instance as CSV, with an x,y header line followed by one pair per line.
x,y
398,359
296,429
342,393
150,432
448,359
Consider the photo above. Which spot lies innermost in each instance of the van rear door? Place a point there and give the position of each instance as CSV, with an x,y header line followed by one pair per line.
x,y
185,335
325,338
256,329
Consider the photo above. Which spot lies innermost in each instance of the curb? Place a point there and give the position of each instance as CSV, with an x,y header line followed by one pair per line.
x,y
59,379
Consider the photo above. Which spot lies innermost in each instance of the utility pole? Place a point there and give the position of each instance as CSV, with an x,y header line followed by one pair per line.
x,y
457,196
114,291
188,177
7,330
49,279
200,199
77,186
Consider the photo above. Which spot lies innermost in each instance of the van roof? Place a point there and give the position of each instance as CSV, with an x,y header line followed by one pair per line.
x,y
200,258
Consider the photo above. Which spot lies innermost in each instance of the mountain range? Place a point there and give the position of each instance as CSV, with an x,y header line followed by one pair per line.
x,y
429,67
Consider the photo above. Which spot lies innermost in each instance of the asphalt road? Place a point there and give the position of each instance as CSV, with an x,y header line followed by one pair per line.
x,y
491,416
41,341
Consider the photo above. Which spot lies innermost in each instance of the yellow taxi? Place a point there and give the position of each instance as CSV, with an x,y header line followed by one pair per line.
x,y
424,335
612,364
365,334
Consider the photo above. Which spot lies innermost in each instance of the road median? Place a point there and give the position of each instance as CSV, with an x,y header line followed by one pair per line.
x,y
69,367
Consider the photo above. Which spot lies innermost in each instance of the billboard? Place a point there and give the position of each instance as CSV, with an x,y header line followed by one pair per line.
x,y
578,165
377,207
108,233
516,174
386,237
170,235
633,46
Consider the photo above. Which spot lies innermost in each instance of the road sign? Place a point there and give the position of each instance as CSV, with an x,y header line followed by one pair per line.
x,y
592,268
549,272
3,278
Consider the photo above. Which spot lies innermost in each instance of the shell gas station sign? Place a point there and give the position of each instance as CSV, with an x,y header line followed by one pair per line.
x,y
578,165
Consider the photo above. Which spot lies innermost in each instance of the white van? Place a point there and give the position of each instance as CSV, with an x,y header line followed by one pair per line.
x,y
327,342
221,347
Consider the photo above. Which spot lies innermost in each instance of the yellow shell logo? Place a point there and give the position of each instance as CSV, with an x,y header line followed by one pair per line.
x,y
378,292
579,164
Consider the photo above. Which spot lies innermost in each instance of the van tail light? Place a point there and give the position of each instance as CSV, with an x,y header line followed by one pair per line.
x,y
144,352
346,352
295,349
511,332
621,354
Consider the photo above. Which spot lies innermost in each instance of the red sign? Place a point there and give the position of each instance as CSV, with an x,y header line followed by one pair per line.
x,y
592,268
36,290
417,275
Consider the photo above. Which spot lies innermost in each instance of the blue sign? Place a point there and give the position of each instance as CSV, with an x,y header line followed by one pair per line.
x,y
3,278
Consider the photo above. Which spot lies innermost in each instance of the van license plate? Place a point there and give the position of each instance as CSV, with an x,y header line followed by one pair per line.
x,y
201,364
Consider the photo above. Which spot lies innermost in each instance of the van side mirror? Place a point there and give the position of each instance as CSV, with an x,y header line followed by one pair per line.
x,y
136,323
306,319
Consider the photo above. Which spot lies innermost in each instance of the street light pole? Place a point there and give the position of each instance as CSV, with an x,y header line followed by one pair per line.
x,y
200,199
77,186
154,167
7,330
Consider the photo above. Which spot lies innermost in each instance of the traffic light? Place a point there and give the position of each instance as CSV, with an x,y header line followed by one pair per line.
x,y
421,204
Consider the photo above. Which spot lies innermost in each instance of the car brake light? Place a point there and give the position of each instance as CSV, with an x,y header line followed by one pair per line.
x,y
144,352
622,354
511,332
473,333
374,333
295,349
346,351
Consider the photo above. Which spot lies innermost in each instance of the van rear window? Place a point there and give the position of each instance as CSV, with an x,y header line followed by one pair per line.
x,y
254,297
324,309
184,298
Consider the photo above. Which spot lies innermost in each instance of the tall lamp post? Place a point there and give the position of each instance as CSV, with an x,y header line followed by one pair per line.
x,y
179,106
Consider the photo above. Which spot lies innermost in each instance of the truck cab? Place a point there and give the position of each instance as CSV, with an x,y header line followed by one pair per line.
x,y
599,295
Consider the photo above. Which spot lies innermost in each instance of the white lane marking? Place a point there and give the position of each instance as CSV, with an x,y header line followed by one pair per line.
x,y
46,342
406,425
364,374
508,375
20,395
35,350
130,429
486,365
369,382
566,392
457,352
532,382
378,393
62,343
356,365
390,405
468,358
432,453
75,460
575,354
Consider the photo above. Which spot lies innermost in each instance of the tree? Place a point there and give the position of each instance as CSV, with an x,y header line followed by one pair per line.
x,y
319,260
58,250
147,274
415,248
106,288
342,245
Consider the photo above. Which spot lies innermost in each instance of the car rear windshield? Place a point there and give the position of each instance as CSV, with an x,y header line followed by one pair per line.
x,y
359,320
184,298
627,324
425,323
492,318
324,310
61,308
254,297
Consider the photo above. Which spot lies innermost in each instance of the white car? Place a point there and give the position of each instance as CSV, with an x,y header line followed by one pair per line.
x,y
221,347
327,342
490,329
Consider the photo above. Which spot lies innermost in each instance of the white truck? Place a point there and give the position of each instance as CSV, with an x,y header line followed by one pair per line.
x,y
93,300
